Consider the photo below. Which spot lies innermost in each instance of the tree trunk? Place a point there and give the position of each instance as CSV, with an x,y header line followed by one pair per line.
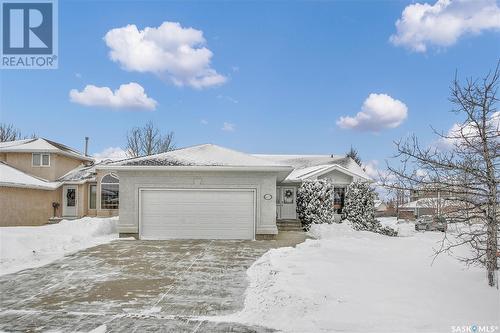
x,y
492,241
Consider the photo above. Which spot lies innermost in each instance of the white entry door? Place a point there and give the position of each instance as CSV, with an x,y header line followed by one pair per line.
x,y
288,207
197,213
70,201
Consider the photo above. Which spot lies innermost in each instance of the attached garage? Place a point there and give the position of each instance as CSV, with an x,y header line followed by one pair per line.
x,y
197,213
199,192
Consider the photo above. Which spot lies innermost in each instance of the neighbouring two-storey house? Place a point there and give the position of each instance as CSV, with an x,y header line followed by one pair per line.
x,y
41,179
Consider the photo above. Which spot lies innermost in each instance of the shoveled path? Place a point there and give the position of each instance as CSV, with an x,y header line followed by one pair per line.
x,y
136,286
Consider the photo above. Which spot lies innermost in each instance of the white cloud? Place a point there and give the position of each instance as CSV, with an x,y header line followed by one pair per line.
x,y
129,95
379,111
78,75
228,127
371,169
458,132
204,122
442,24
113,153
171,50
228,98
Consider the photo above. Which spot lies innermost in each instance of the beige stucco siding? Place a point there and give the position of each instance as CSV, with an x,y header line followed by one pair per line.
x,y
27,207
59,165
130,182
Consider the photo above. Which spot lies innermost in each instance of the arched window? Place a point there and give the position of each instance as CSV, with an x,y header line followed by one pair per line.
x,y
110,192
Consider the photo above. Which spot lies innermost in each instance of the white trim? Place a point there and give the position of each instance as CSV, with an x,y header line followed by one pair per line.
x,y
232,189
75,187
51,187
79,182
337,167
41,160
193,168
100,190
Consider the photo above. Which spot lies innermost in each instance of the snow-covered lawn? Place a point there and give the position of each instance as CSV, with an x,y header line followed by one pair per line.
x,y
27,247
403,227
358,281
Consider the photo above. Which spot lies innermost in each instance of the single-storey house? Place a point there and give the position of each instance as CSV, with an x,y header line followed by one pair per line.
x,y
212,192
41,179
204,191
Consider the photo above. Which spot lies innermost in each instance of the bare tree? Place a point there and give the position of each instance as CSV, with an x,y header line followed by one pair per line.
x,y
353,153
148,140
9,133
466,169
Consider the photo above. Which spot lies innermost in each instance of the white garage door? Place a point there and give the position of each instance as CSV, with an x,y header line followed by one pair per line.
x,y
197,213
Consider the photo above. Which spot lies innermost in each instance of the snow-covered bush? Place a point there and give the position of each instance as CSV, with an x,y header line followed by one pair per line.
x,y
315,202
359,209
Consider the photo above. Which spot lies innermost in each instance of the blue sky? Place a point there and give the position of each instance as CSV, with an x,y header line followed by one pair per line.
x,y
291,70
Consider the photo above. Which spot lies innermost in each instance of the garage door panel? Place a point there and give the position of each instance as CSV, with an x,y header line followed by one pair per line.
x,y
202,214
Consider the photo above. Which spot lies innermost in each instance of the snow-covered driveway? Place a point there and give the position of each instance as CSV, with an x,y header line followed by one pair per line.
x,y
128,285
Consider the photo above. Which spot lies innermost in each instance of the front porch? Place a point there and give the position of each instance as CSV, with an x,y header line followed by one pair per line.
x,y
286,204
289,225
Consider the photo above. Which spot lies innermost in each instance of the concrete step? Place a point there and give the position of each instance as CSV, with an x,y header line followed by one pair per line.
x,y
289,224
290,229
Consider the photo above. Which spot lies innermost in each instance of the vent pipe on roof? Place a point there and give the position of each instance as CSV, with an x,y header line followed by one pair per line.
x,y
86,146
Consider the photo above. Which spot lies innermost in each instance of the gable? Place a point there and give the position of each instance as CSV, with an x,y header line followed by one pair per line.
x,y
337,177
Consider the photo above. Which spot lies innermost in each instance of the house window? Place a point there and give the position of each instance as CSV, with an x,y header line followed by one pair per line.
x,y
109,192
92,196
338,199
41,159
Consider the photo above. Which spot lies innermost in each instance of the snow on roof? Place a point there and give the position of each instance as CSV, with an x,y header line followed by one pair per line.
x,y
12,177
305,173
307,166
83,173
301,161
79,174
425,203
201,155
41,145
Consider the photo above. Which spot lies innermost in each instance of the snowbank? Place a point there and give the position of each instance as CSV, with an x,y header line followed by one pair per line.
x,y
359,281
403,227
27,247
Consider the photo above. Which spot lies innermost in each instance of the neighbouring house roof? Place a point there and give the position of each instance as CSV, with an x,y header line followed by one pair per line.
x,y
205,155
379,205
425,203
312,166
12,177
83,174
41,145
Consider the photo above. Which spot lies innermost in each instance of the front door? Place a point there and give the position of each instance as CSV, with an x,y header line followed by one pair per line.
x,y
70,200
288,205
